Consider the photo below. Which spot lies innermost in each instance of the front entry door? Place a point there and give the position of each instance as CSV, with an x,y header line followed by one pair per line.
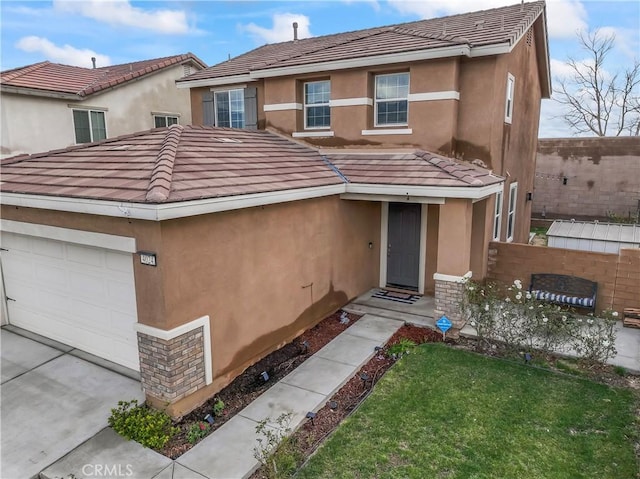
x,y
403,247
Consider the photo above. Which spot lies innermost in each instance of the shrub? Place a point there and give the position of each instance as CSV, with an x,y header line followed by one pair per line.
x,y
511,319
276,450
218,408
197,431
404,346
149,427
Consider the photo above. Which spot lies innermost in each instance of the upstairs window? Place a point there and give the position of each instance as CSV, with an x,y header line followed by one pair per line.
x,y
392,99
161,121
511,218
229,108
497,217
317,113
89,126
508,106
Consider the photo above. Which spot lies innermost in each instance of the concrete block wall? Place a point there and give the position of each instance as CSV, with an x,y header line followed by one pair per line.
x,y
602,177
618,276
172,369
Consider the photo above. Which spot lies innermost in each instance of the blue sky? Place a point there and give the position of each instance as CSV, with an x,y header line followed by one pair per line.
x,y
71,32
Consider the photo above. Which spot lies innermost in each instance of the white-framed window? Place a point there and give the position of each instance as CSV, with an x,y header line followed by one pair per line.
x,y
89,125
497,217
229,108
161,121
392,99
317,112
508,105
511,215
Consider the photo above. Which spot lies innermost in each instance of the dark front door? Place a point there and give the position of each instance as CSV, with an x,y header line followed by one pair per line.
x,y
403,248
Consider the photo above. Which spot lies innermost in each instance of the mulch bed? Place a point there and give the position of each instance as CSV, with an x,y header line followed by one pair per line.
x,y
311,434
249,385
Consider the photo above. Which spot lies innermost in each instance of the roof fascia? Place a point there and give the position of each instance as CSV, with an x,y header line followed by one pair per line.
x,y
214,81
469,192
542,47
43,93
168,211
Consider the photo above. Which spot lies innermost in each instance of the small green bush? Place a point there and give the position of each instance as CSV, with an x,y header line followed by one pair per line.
x,y
149,427
218,408
197,431
404,346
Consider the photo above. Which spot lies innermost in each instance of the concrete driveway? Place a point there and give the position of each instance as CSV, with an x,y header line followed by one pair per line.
x,y
52,401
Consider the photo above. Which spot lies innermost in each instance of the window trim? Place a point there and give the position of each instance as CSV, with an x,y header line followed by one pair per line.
x,y
511,213
89,111
376,101
510,95
155,115
305,106
215,107
497,216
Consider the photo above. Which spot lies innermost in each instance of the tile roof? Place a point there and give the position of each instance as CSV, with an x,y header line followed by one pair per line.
x,y
82,82
419,168
475,29
183,163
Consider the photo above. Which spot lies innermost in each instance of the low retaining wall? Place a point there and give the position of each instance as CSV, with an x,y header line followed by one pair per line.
x,y
617,275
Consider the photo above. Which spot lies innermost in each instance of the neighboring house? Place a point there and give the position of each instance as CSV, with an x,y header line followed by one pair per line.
x,y
220,244
48,105
588,178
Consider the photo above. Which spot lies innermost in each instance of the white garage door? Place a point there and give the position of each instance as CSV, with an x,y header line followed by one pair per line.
x,y
79,295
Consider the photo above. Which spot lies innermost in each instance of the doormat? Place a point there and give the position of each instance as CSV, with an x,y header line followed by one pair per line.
x,y
405,298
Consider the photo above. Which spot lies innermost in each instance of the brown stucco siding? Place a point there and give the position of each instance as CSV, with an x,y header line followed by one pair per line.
x,y
264,275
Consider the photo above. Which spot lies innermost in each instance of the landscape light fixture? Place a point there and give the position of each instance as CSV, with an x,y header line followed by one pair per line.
x,y
264,376
209,418
305,347
377,349
333,405
311,415
527,358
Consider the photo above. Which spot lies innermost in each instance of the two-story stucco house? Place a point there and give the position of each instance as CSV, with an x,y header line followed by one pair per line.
x,y
48,105
387,157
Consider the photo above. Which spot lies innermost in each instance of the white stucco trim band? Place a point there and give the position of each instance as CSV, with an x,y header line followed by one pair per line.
x,y
351,102
388,131
312,134
451,278
165,335
282,106
433,96
86,238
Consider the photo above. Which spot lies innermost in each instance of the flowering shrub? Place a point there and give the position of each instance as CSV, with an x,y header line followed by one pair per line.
x,y
197,431
512,319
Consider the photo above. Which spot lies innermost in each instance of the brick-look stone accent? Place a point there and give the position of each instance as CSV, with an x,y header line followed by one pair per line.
x,y
172,369
448,297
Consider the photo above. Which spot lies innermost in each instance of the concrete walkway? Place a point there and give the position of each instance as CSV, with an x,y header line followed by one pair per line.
x,y
228,452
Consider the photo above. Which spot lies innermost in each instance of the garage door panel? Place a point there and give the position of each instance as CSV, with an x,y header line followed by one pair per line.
x,y
80,296
47,248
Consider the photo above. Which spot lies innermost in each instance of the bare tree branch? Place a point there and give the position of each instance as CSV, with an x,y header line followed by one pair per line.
x,y
595,100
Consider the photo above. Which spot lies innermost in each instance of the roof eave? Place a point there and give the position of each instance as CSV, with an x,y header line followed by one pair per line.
x,y
41,93
542,49
204,82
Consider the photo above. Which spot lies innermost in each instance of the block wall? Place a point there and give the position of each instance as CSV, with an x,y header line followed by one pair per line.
x,y
587,177
618,276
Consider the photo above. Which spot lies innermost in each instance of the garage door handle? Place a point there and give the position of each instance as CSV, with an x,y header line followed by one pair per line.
x,y
4,249
9,299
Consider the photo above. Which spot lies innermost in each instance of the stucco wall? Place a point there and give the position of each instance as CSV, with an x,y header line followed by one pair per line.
x,y
32,124
266,274
602,177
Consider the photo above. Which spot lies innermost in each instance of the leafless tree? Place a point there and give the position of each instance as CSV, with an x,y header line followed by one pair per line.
x,y
597,100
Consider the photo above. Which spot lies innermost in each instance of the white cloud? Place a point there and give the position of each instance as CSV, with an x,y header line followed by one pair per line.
x,y
564,17
61,54
627,40
552,125
282,30
121,12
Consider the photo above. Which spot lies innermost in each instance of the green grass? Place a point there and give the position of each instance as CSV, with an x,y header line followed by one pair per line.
x,y
444,413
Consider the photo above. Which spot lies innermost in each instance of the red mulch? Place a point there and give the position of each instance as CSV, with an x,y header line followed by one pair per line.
x,y
249,385
311,434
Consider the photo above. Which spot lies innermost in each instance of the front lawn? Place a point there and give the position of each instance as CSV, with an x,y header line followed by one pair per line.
x,y
445,413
